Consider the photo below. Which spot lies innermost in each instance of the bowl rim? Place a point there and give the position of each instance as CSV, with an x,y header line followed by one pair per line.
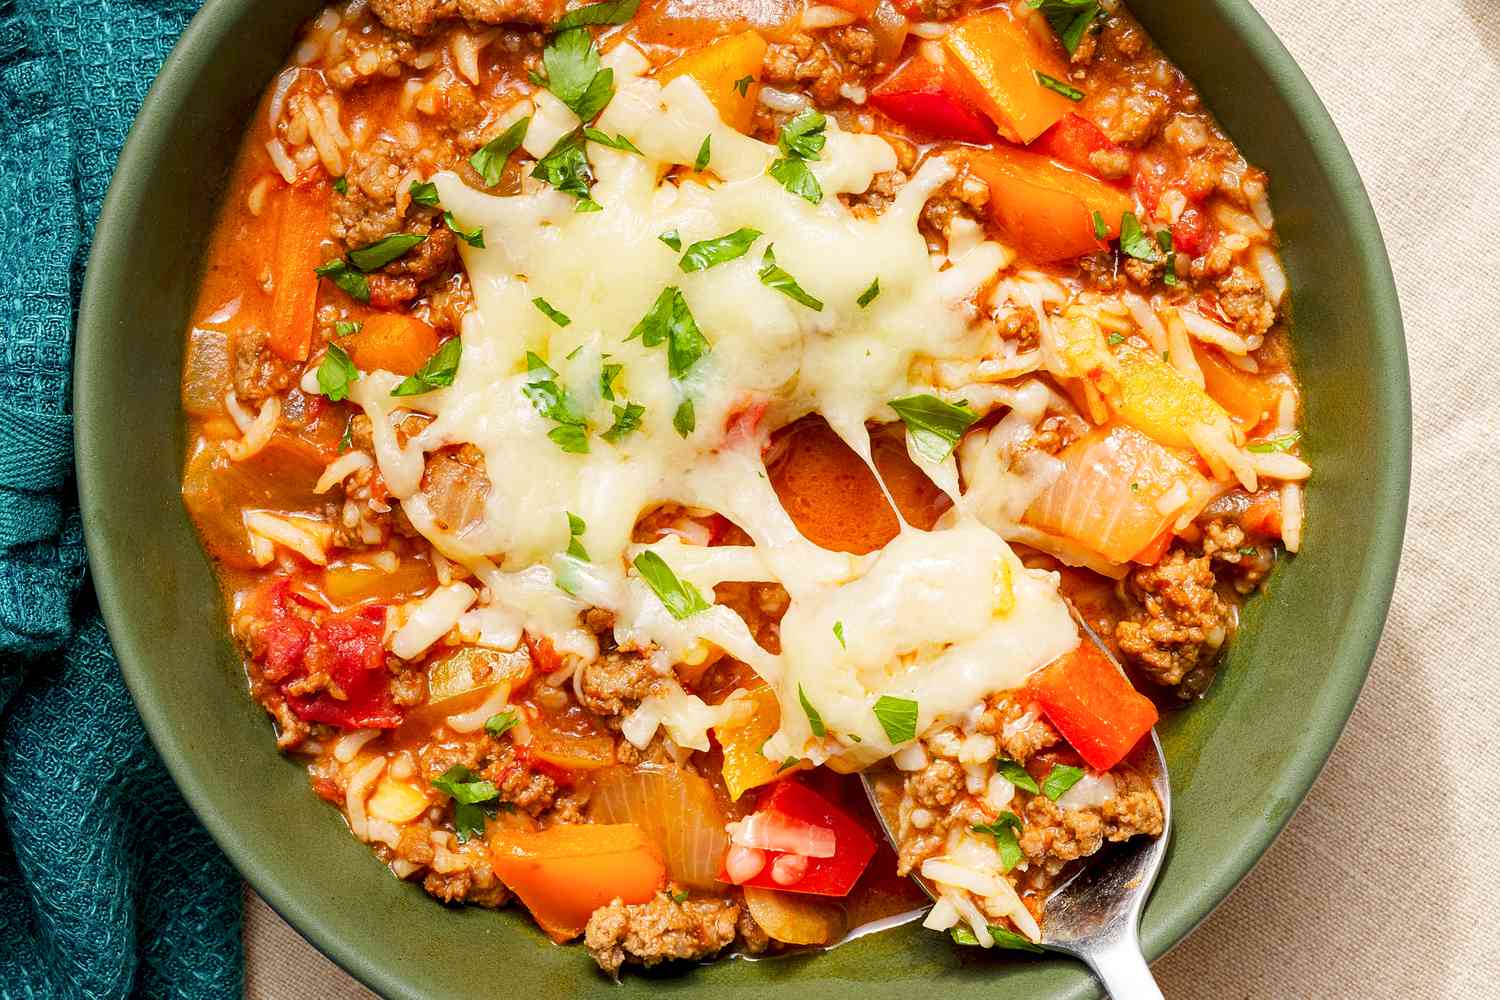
x,y
1370,601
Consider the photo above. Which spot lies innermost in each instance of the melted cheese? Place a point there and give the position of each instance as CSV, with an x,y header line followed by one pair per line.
x,y
922,619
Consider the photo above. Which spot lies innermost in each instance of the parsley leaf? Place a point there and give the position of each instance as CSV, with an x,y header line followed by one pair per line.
x,y
465,786
797,177
1017,775
838,633
814,720
344,328
474,237
802,134
566,167
1060,779
561,319
1002,936
570,438
681,896
700,163
425,193
380,253
868,295
671,239
773,276
1134,242
670,320
335,373
501,723
1115,338
609,12
706,253
619,142
1101,231
1055,85
341,184
1005,829
789,762
576,528
898,717
684,420
345,278
490,159
743,85
346,440
607,374
934,424
573,74
1268,445
627,419
679,597
1164,240
438,370
1069,18
555,403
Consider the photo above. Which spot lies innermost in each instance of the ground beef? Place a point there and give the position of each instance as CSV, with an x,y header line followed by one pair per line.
x,y
965,196
805,63
615,678
399,281
526,789
660,930
938,784
367,210
1019,728
455,486
370,53
419,17
1179,621
1053,836
463,887
1139,116
259,371
1242,299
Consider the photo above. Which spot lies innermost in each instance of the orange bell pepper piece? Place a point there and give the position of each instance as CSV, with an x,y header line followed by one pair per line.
x,y
300,231
996,55
1093,706
745,767
565,873
1045,208
393,342
1249,398
720,70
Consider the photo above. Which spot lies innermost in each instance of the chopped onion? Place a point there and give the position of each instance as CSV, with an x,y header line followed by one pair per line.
x,y
780,100
795,919
824,16
1091,790
910,757
772,831
942,916
676,809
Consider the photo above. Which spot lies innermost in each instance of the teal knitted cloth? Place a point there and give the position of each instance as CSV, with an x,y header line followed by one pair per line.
x,y
108,885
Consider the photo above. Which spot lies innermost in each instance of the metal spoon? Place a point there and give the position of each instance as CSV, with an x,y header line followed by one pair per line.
x,y
1096,914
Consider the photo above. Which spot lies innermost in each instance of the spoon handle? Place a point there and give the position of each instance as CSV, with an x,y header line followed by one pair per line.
x,y
1122,969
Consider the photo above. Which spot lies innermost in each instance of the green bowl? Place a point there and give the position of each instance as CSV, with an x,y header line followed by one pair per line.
x,y
1241,760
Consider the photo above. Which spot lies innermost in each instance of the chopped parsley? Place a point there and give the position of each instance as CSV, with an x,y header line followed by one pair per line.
x,y
1017,775
773,276
346,440
679,597
573,74
1134,242
685,419
797,177
1005,829
345,327
700,162
671,239
1164,240
474,237
489,160
802,135
335,373
670,320
1055,85
838,633
345,278
898,717
469,792
1115,338
566,167
706,253
1282,443
380,253
547,310
680,896
1070,19
1101,231
555,403
1002,936
1060,779
619,142
789,762
609,12
576,528
425,193
501,723
869,294
934,424
608,372
1249,550
743,85
627,419
437,371
341,184
814,720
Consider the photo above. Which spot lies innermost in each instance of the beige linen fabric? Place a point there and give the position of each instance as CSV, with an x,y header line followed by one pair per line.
x,y
1385,883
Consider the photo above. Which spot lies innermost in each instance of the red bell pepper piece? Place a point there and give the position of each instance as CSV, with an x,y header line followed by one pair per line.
x,y
1188,232
833,876
1073,140
920,96
1093,706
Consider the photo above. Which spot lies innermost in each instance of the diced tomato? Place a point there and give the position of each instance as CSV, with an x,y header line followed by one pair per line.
x,y
1188,232
1074,140
350,648
1149,182
835,876
1093,706
920,96
543,657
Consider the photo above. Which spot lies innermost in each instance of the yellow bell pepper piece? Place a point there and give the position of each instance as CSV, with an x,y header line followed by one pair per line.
x,y
722,69
745,767
1157,399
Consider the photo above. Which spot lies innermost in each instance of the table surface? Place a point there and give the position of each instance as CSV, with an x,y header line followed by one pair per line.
x,y
1334,908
